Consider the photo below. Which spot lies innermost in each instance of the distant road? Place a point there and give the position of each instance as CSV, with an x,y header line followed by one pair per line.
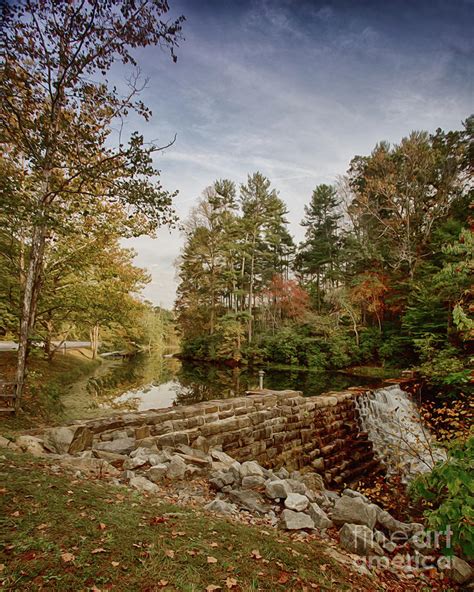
x,y
12,346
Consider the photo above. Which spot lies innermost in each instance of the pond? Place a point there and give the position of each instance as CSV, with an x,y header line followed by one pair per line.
x,y
153,381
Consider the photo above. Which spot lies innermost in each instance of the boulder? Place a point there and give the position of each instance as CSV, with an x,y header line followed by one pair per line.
x,y
319,517
282,473
296,501
119,445
354,493
194,460
160,457
277,489
176,468
252,482
220,507
458,570
68,439
249,500
134,463
387,521
143,484
185,449
31,444
112,457
313,481
157,473
291,520
297,486
353,510
221,457
220,479
250,468
359,539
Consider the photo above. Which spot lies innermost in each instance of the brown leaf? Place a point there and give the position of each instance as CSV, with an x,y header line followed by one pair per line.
x,y
67,557
231,583
213,588
169,553
256,554
284,577
115,563
163,583
102,526
211,560
98,550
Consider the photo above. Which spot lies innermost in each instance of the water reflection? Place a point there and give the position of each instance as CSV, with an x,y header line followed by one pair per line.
x,y
151,382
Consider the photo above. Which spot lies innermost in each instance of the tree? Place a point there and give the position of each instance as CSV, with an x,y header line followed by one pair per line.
x,y
56,113
317,255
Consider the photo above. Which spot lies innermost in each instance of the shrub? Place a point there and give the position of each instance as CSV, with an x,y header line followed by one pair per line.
x,y
448,490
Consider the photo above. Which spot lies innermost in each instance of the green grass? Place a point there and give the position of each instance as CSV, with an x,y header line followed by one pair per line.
x,y
64,534
47,383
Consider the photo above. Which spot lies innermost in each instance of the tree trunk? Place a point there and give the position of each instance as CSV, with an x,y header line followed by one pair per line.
x,y
29,302
94,336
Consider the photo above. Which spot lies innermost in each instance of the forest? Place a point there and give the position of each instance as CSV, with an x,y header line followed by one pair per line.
x,y
383,275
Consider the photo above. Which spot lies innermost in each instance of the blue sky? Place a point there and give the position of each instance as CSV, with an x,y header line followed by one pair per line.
x,y
295,89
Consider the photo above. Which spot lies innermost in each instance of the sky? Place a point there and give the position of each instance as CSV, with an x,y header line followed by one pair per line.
x,y
295,89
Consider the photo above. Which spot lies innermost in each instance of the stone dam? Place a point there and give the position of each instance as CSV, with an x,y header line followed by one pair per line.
x,y
275,428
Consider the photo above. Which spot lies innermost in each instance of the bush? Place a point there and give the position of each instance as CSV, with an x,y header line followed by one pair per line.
x,y
448,490
442,368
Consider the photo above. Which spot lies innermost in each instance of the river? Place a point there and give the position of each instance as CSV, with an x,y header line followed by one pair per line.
x,y
154,381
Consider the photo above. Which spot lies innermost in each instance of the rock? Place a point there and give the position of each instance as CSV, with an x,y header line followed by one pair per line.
x,y
112,457
92,466
221,457
142,451
194,460
143,484
127,475
157,473
296,501
250,468
291,520
357,538
252,482
134,463
313,481
277,489
119,445
31,444
297,486
221,478
354,493
59,439
353,511
185,449
282,473
319,517
176,468
380,538
249,500
159,458
201,443
391,524
220,507
458,569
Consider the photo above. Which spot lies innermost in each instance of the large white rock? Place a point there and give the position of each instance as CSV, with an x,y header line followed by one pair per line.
x,y
319,516
119,445
31,444
278,489
68,439
143,484
357,538
221,457
291,520
176,468
296,501
157,473
220,507
353,510
250,468
458,569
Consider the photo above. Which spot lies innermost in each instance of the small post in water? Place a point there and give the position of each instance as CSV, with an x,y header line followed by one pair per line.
x,y
261,374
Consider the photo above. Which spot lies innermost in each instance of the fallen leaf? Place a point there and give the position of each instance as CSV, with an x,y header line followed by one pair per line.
x,y
16,514
163,583
213,588
2,567
211,560
98,550
284,577
102,526
231,583
115,563
169,553
67,557
256,554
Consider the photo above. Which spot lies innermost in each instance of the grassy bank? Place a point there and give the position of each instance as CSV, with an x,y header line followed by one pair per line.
x,y
48,384
65,534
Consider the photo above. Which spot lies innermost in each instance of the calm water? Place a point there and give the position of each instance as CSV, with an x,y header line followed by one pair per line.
x,y
151,382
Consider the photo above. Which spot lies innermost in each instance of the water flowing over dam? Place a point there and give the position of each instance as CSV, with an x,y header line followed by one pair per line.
x,y
394,426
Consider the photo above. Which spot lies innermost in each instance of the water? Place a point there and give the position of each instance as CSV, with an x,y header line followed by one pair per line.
x,y
403,444
153,382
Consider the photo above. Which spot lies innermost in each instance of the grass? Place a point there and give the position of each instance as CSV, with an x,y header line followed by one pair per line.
x,y
47,384
64,534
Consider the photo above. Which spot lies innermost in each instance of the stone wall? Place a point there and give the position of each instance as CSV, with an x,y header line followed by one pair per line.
x,y
275,428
